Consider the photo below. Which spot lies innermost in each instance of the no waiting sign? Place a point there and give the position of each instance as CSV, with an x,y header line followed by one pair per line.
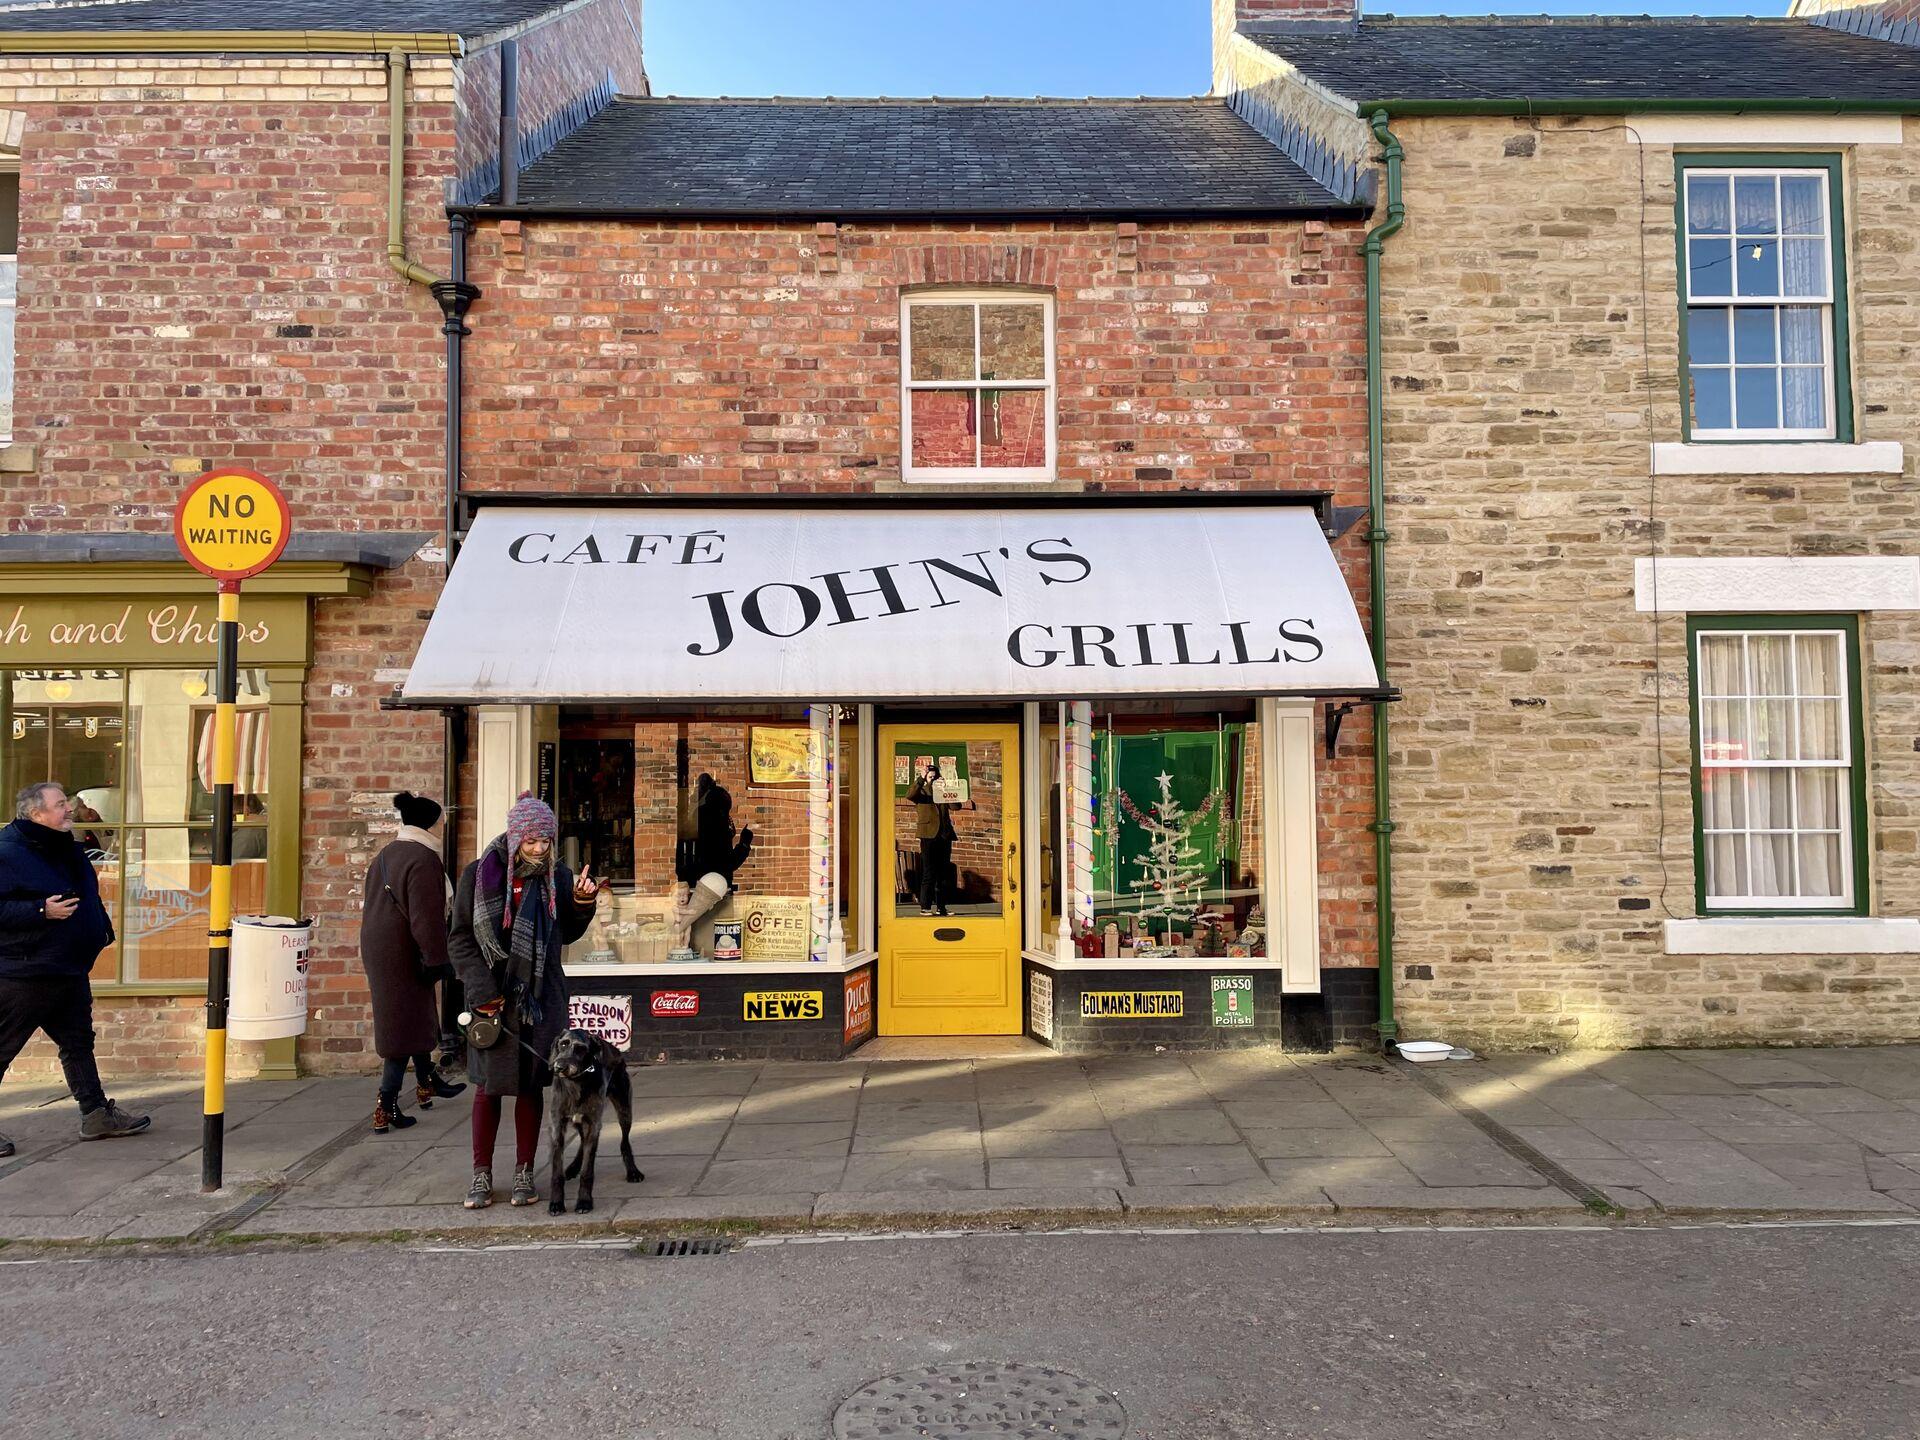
x,y
232,524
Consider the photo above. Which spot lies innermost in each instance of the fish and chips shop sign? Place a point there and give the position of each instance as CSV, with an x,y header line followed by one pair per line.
x,y
893,601
85,631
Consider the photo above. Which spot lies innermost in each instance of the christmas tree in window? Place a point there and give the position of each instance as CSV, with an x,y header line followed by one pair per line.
x,y
1172,879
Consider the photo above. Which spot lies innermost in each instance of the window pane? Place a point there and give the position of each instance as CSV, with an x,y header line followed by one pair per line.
x,y
1723,731
1726,864
1723,799
1804,397
1756,399
1821,735
1755,205
64,726
1753,335
942,341
1707,335
711,821
1177,861
1708,209
1013,342
1757,264
169,878
1770,665
1773,865
1818,664
1818,793
1772,737
170,778
1804,264
1013,429
1709,268
1722,665
1803,335
1821,872
1712,399
1800,205
960,867
943,425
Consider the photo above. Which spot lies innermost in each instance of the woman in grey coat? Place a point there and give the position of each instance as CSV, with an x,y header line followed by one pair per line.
x,y
513,912
403,947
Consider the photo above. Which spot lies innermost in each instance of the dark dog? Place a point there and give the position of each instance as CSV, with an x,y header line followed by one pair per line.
x,y
587,1074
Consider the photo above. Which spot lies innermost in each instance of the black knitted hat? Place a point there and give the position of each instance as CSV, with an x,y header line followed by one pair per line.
x,y
416,810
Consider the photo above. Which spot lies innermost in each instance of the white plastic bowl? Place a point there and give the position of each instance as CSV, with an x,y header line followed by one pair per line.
x,y
1424,1052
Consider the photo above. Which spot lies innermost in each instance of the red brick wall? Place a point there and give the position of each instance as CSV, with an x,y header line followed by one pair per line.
x,y
208,283
651,359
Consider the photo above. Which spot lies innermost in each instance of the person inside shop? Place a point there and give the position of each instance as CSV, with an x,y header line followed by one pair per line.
x,y
514,910
714,850
52,928
934,825
403,947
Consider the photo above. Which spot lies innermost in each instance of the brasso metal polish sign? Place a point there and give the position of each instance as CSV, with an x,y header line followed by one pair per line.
x,y
878,602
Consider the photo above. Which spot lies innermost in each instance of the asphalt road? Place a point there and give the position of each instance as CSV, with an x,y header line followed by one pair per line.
x,y
1659,1333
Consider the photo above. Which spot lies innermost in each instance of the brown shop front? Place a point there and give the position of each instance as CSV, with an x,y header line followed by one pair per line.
x,y
1130,801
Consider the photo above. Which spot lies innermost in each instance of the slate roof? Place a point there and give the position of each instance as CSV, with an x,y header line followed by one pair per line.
x,y
851,158
1558,59
437,17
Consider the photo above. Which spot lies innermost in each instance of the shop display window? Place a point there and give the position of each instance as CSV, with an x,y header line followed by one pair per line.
x,y
1158,848
715,828
134,750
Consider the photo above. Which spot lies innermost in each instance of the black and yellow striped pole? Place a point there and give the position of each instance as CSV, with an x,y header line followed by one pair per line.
x,y
231,524
226,692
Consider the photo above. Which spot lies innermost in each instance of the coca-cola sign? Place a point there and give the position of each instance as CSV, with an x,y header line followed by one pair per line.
x,y
674,1004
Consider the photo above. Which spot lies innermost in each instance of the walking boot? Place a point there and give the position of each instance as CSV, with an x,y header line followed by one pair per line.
x,y
480,1193
6,1147
523,1191
387,1112
439,1088
110,1122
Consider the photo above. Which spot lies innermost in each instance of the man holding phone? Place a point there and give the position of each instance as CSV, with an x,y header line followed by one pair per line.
x,y
52,928
934,825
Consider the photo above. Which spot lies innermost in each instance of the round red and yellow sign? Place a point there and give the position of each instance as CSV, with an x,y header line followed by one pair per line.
x,y
232,524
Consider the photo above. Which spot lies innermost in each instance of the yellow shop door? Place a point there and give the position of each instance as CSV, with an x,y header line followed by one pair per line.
x,y
956,973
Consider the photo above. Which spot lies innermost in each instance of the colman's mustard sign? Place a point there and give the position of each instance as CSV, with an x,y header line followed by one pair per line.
x,y
1132,1004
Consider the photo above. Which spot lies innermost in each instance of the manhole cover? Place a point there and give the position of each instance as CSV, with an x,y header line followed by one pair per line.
x,y
959,1402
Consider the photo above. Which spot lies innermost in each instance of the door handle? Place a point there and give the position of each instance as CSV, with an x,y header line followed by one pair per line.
x,y
1013,867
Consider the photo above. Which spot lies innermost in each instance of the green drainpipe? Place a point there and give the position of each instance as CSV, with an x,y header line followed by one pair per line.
x,y
1382,826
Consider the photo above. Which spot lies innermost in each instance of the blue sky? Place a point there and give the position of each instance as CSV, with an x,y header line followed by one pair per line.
x,y
987,47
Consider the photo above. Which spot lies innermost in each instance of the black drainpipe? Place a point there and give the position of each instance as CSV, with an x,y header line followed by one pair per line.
x,y
455,296
509,122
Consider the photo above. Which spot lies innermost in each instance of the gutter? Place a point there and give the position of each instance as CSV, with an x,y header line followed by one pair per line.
x,y
228,42
1338,210
1520,105
1382,825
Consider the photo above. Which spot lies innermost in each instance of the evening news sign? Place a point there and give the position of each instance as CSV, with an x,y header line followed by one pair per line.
x,y
894,602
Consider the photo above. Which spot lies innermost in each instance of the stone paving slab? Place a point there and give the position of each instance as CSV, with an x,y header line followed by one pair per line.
x,y
1688,1132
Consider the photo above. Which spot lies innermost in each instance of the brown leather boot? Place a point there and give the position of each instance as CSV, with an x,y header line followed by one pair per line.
x,y
381,1119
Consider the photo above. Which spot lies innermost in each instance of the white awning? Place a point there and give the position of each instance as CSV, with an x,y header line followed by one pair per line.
x,y
879,601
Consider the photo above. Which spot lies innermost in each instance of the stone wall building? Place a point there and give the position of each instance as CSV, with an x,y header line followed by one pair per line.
x,y
1595,527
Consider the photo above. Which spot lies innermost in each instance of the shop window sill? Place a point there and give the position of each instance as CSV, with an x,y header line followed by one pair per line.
x,y
1794,935
1797,457
657,969
1166,962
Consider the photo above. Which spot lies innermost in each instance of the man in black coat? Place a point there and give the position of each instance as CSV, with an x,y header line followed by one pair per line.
x,y
52,928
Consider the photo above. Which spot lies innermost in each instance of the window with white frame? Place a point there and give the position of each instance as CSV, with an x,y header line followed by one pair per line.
x,y
977,386
1763,281
1780,781
9,280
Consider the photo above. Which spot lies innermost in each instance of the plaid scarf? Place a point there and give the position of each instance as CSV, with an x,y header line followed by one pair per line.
x,y
514,943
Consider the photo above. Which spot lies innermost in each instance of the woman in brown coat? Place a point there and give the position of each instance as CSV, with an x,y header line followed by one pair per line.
x,y
403,945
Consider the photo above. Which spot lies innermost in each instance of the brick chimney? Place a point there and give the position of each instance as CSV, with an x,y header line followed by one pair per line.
x,y
1262,12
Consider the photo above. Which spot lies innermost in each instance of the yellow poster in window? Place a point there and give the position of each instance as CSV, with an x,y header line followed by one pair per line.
x,y
778,755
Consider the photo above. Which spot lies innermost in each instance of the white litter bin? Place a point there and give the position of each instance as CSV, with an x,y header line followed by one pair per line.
x,y
268,995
